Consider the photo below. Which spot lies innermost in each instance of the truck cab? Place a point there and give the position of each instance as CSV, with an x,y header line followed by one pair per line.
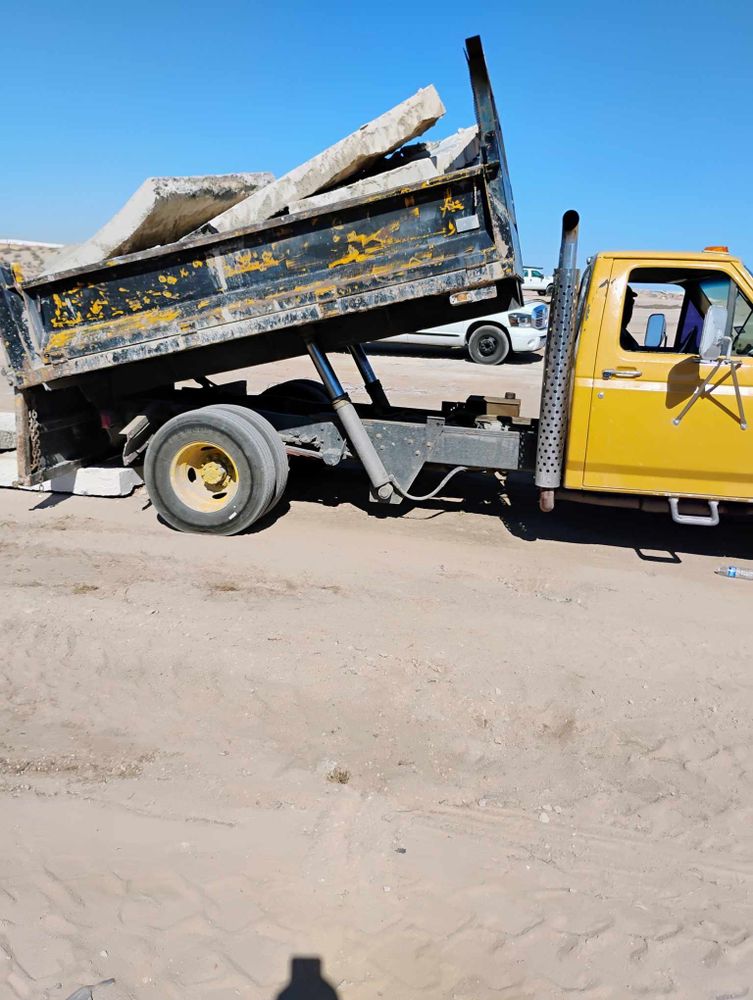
x,y
648,414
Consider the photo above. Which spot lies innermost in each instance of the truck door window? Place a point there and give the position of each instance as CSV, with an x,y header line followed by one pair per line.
x,y
681,296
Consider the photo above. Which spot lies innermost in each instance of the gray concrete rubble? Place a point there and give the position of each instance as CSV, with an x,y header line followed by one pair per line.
x,y
404,176
347,157
167,209
459,150
93,481
162,210
417,163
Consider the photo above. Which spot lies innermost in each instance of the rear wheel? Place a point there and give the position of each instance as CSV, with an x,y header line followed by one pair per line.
x,y
272,439
209,471
488,345
549,291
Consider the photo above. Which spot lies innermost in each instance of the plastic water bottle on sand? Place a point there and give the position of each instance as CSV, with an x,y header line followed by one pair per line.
x,y
735,572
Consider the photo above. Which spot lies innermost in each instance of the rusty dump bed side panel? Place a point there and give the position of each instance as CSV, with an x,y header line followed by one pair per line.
x,y
361,270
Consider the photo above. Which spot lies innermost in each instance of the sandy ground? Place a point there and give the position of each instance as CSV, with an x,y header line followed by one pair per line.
x,y
469,752
29,255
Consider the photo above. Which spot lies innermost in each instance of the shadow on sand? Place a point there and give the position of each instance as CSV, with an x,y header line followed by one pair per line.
x,y
307,982
514,502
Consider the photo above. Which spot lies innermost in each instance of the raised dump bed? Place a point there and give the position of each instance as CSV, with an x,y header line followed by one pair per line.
x,y
94,353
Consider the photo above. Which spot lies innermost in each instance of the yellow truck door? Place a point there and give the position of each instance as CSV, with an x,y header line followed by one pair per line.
x,y
646,370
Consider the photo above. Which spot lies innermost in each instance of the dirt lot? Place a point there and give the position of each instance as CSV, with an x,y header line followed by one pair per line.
x,y
469,752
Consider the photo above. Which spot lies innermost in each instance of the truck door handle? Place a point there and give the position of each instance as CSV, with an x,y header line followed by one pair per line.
x,y
621,373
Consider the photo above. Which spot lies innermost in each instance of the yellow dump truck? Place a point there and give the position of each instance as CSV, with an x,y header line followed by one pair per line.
x,y
647,375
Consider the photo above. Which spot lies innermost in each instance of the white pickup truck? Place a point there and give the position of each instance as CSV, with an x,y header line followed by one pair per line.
x,y
535,280
487,339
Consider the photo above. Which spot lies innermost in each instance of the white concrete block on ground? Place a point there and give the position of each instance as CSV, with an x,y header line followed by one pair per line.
x,y
7,431
356,151
93,481
162,210
404,176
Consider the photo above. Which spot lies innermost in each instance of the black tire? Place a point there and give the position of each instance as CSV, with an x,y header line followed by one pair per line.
x,y
549,291
307,390
488,345
273,440
238,458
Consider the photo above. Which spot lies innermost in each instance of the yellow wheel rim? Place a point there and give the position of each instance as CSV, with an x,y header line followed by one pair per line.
x,y
204,477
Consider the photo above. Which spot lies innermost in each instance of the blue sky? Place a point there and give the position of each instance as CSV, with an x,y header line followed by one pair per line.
x,y
639,116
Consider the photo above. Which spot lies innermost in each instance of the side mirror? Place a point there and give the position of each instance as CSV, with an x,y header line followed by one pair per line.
x,y
713,335
656,331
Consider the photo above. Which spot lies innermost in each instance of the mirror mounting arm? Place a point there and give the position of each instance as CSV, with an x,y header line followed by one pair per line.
x,y
708,385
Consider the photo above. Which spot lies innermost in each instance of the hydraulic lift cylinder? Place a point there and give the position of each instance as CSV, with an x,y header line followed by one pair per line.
x,y
371,383
355,431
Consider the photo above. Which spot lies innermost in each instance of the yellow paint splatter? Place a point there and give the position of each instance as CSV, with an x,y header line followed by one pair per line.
x,y
127,324
451,204
249,261
369,243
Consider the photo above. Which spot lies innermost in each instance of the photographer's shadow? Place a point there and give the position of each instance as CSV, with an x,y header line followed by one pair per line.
x,y
307,982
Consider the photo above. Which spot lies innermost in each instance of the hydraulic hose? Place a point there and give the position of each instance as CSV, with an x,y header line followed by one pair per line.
x,y
409,496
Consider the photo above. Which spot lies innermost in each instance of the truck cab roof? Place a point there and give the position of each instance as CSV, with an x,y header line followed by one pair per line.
x,y
672,255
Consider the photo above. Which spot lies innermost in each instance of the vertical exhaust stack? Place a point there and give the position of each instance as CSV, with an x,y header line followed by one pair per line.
x,y
555,392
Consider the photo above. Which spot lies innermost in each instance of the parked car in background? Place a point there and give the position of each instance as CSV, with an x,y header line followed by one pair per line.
x,y
535,280
488,340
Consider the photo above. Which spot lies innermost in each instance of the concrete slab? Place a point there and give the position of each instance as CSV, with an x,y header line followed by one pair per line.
x,y
425,160
94,481
457,151
430,160
461,149
7,431
355,152
404,176
161,211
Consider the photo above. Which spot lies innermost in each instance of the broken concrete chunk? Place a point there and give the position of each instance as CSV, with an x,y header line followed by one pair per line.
x,y
348,156
425,160
405,176
456,151
92,481
163,210
453,153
